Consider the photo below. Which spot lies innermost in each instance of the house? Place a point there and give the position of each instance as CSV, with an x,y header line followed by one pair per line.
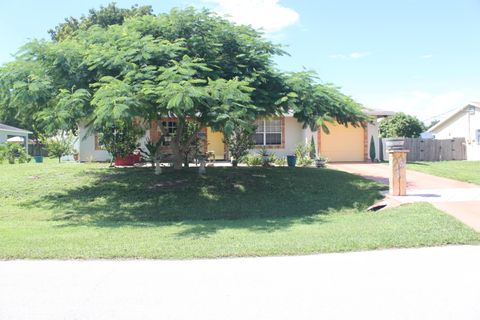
x,y
12,134
463,123
279,135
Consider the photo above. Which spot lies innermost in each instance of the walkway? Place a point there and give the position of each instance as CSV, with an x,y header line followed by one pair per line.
x,y
429,283
459,199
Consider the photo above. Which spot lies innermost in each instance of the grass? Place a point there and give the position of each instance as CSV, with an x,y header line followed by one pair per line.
x,y
71,210
468,171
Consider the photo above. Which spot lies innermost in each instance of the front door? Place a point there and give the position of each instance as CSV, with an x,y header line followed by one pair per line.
x,y
215,144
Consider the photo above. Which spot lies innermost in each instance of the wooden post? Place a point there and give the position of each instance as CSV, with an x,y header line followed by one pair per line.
x,y
398,172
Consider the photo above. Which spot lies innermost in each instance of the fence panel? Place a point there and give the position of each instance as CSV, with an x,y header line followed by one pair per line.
x,y
431,149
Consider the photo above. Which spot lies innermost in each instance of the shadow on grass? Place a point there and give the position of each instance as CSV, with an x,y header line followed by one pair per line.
x,y
263,199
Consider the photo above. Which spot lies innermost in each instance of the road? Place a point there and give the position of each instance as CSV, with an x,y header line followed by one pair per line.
x,y
427,283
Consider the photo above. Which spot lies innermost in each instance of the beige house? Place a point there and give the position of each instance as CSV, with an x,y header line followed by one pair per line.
x,y
279,135
463,123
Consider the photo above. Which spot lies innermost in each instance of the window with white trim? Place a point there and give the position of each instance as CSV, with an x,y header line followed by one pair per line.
x,y
268,132
170,128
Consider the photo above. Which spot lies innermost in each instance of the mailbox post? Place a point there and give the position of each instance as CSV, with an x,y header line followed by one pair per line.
x,y
398,172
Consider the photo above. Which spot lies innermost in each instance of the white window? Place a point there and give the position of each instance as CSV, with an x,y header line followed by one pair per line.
x,y
268,132
170,128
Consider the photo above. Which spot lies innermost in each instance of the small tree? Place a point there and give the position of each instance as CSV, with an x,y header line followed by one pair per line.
x,y
189,142
373,153
401,125
60,146
239,142
153,154
120,139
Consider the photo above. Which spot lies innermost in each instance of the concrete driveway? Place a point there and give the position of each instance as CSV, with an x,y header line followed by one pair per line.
x,y
428,283
457,198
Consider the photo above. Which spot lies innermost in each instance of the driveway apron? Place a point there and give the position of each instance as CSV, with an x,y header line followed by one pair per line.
x,y
457,198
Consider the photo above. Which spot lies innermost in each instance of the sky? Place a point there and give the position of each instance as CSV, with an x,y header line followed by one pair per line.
x,y
416,56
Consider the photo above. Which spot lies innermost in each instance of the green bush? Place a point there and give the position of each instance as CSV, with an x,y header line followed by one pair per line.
x,y
281,162
313,151
253,160
60,146
304,162
373,153
3,153
12,152
302,151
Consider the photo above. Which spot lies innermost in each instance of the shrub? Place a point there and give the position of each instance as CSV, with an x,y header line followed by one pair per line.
x,y
281,162
120,139
267,157
401,125
373,153
13,151
302,151
304,162
313,152
238,143
253,160
3,153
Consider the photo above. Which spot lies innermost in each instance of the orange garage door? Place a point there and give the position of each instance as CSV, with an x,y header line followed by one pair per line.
x,y
342,143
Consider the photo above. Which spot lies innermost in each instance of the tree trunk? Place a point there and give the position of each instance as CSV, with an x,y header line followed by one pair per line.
x,y
158,168
177,155
234,163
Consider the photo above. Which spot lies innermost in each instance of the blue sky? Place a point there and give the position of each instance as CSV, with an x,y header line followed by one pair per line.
x,y
418,56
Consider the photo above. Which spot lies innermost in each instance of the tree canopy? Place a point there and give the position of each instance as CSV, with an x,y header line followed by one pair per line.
x,y
119,65
401,125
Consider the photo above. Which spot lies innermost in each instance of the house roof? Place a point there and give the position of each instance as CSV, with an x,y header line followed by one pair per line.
x,y
370,112
379,113
453,114
4,127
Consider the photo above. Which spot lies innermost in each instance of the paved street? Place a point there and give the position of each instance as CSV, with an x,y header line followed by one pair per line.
x,y
427,283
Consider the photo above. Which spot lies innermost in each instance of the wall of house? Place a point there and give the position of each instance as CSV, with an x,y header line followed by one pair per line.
x,y
462,125
87,150
293,135
4,135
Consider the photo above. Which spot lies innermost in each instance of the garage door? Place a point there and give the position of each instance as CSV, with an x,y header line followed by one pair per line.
x,y
342,143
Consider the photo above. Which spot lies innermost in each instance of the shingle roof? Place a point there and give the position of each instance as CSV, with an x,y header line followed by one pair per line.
x,y
4,127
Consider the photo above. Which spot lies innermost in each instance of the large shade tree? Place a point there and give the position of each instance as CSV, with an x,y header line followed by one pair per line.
x,y
113,68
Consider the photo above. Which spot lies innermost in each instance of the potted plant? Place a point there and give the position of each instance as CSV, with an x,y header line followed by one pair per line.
x,y
320,162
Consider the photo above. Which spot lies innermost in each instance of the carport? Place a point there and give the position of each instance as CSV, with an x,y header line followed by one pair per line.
x,y
9,133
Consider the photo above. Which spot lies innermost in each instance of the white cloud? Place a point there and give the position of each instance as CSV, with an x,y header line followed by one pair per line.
x,y
269,15
427,56
352,55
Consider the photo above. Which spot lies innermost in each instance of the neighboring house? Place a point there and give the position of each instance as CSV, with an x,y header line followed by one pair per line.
x,y
279,135
463,123
17,135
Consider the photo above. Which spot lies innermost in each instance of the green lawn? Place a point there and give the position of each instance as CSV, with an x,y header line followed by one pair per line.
x,y
90,211
468,171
